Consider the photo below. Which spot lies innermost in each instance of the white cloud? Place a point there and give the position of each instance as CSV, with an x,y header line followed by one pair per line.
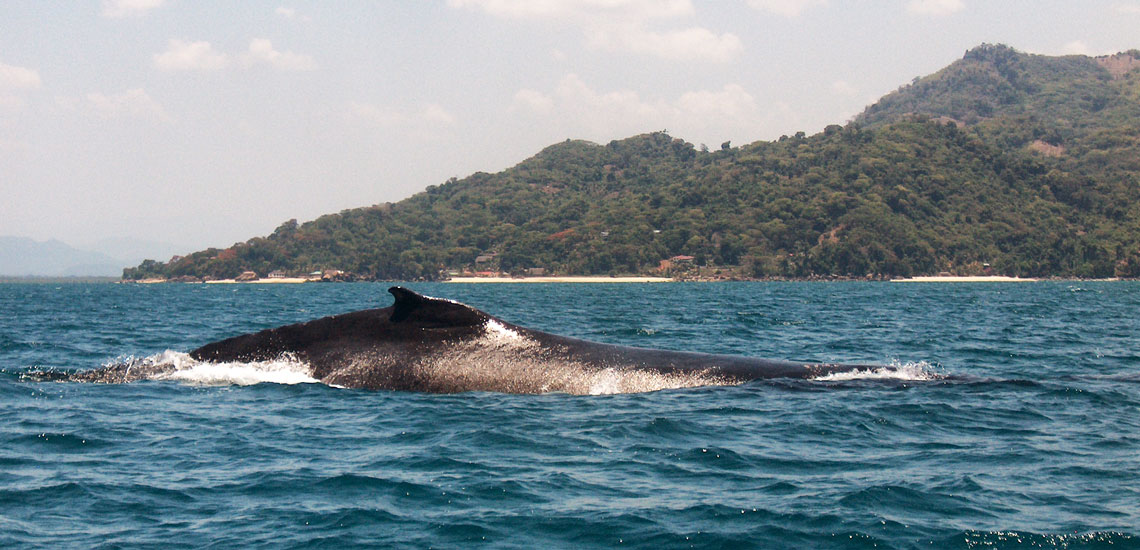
x,y
935,7
1128,9
181,55
261,51
623,25
128,8
135,103
18,78
787,8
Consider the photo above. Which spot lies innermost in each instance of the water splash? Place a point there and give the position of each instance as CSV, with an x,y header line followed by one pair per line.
x,y
895,370
286,369
179,366
498,333
612,381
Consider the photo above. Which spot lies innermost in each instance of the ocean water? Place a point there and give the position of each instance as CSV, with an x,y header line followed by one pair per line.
x,y
1012,422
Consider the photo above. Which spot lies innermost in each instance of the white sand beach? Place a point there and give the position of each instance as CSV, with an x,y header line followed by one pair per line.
x,y
276,280
575,279
964,279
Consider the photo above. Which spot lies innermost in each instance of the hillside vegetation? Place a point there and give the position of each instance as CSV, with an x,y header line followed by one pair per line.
x,y
1015,163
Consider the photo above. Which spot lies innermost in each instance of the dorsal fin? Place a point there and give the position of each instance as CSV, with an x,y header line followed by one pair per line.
x,y
432,311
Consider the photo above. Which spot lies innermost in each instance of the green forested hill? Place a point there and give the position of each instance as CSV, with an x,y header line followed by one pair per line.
x,y
1027,163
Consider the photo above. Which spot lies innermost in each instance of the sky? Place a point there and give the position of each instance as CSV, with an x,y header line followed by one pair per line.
x,y
201,123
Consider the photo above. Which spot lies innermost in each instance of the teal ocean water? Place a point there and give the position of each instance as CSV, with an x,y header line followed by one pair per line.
x,y
1014,422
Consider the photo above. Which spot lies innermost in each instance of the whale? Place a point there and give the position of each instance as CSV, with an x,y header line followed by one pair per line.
x,y
434,345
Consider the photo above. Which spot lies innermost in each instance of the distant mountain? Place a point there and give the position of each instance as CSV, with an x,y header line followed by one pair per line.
x,y
21,256
1002,162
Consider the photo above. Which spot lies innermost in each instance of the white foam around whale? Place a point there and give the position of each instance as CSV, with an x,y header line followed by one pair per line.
x,y
284,370
894,371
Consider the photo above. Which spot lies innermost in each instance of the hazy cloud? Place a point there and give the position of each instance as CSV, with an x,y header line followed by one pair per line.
x,y
935,7
13,78
695,43
291,14
128,8
731,102
1076,47
1079,47
18,78
625,9
580,108
623,25
134,103
622,112
842,87
787,8
1129,9
429,113
11,103
436,114
261,51
574,95
533,101
181,55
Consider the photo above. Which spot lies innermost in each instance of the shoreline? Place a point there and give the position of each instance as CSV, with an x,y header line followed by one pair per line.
x,y
637,279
